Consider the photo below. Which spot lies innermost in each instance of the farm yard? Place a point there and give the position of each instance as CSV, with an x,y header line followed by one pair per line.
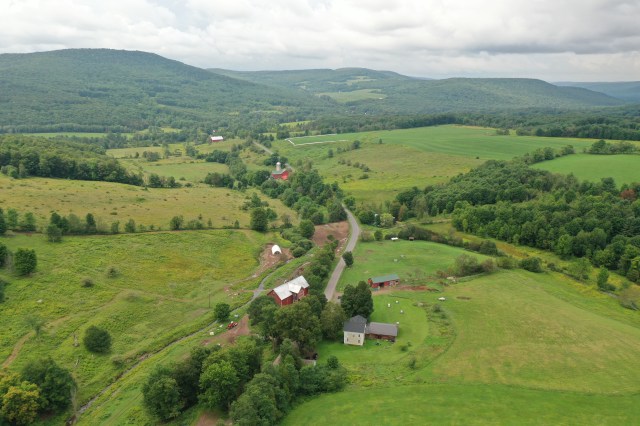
x,y
524,347
416,262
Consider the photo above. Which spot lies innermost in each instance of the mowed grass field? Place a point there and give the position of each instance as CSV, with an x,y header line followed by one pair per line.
x,y
622,168
412,157
528,349
110,202
415,262
161,292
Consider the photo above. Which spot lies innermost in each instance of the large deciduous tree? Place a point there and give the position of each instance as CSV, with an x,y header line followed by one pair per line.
x,y
357,300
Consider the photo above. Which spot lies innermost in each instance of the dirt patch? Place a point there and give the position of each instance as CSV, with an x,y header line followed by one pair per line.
x,y
16,350
463,298
207,418
269,260
339,231
224,336
405,288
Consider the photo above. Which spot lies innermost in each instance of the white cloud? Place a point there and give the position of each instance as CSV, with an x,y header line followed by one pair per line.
x,y
555,40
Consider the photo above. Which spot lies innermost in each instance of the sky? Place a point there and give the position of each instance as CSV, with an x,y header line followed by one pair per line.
x,y
555,40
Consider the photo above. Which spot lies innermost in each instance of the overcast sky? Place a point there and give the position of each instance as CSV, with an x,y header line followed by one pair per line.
x,y
556,40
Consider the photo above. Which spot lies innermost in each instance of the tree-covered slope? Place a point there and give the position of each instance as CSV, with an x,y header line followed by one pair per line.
x,y
96,89
394,93
625,90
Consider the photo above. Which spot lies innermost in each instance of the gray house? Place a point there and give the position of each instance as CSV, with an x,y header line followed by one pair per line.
x,y
354,330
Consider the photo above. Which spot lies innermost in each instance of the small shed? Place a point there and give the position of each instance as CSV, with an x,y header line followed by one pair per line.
x,y
384,281
381,330
276,249
354,330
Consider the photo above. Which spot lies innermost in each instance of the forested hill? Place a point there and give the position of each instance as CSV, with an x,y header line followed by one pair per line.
x,y
387,92
625,90
98,89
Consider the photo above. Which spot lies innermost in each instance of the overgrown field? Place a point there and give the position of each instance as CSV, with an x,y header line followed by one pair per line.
x,y
622,168
524,348
111,202
416,262
411,157
160,291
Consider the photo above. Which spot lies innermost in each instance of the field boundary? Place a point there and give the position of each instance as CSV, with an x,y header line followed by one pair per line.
x,y
290,140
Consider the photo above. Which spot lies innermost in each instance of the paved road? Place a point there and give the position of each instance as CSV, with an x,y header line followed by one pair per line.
x,y
329,292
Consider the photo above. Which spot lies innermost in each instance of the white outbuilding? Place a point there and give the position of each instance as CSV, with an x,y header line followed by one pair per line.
x,y
276,249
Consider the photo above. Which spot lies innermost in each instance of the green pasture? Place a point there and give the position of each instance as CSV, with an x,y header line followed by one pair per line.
x,y
74,134
622,168
415,262
354,95
465,405
161,292
528,349
183,169
110,202
411,157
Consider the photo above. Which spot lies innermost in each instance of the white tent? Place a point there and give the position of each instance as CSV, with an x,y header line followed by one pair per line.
x,y
276,249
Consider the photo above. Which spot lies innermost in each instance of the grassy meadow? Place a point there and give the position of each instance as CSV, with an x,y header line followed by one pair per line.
x,y
411,157
622,168
110,202
161,291
526,349
416,262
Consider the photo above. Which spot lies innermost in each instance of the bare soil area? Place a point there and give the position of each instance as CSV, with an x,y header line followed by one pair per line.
x,y
224,336
339,231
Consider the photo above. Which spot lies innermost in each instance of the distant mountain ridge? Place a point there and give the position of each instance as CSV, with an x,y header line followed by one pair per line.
x,y
625,90
396,93
103,89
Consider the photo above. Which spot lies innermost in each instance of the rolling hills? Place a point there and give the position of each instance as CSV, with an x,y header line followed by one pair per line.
x,y
97,90
625,90
390,92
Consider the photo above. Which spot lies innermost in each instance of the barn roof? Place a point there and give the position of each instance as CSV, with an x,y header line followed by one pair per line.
x,y
278,172
384,278
382,328
356,324
294,286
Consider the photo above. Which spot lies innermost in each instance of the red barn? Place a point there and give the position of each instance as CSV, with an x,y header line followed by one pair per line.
x,y
280,173
384,281
290,292
215,139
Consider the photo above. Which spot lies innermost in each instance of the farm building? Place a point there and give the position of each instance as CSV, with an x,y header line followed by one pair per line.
x,y
381,330
275,249
214,139
384,281
279,172
290,292
354,331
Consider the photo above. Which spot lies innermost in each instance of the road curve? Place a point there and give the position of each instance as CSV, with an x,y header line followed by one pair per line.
x,y
329,292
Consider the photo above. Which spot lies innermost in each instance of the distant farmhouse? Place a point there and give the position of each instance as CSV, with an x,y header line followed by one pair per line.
x,y
214,139
384,281
356,330
290,292
279,172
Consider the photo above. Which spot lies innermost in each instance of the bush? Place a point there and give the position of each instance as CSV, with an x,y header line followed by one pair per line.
x,y
507,263
25,261
112,272
87,282
298,251
3,283
97,340
532,264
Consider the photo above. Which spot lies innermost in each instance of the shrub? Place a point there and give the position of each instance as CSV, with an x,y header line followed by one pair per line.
x,y
112,272
25,261
87,282
532,264
97,340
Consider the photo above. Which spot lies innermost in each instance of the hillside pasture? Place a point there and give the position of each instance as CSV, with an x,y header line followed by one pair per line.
x,y
354,95
528,349
160,291
110,202
416,262
622,168
409,157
